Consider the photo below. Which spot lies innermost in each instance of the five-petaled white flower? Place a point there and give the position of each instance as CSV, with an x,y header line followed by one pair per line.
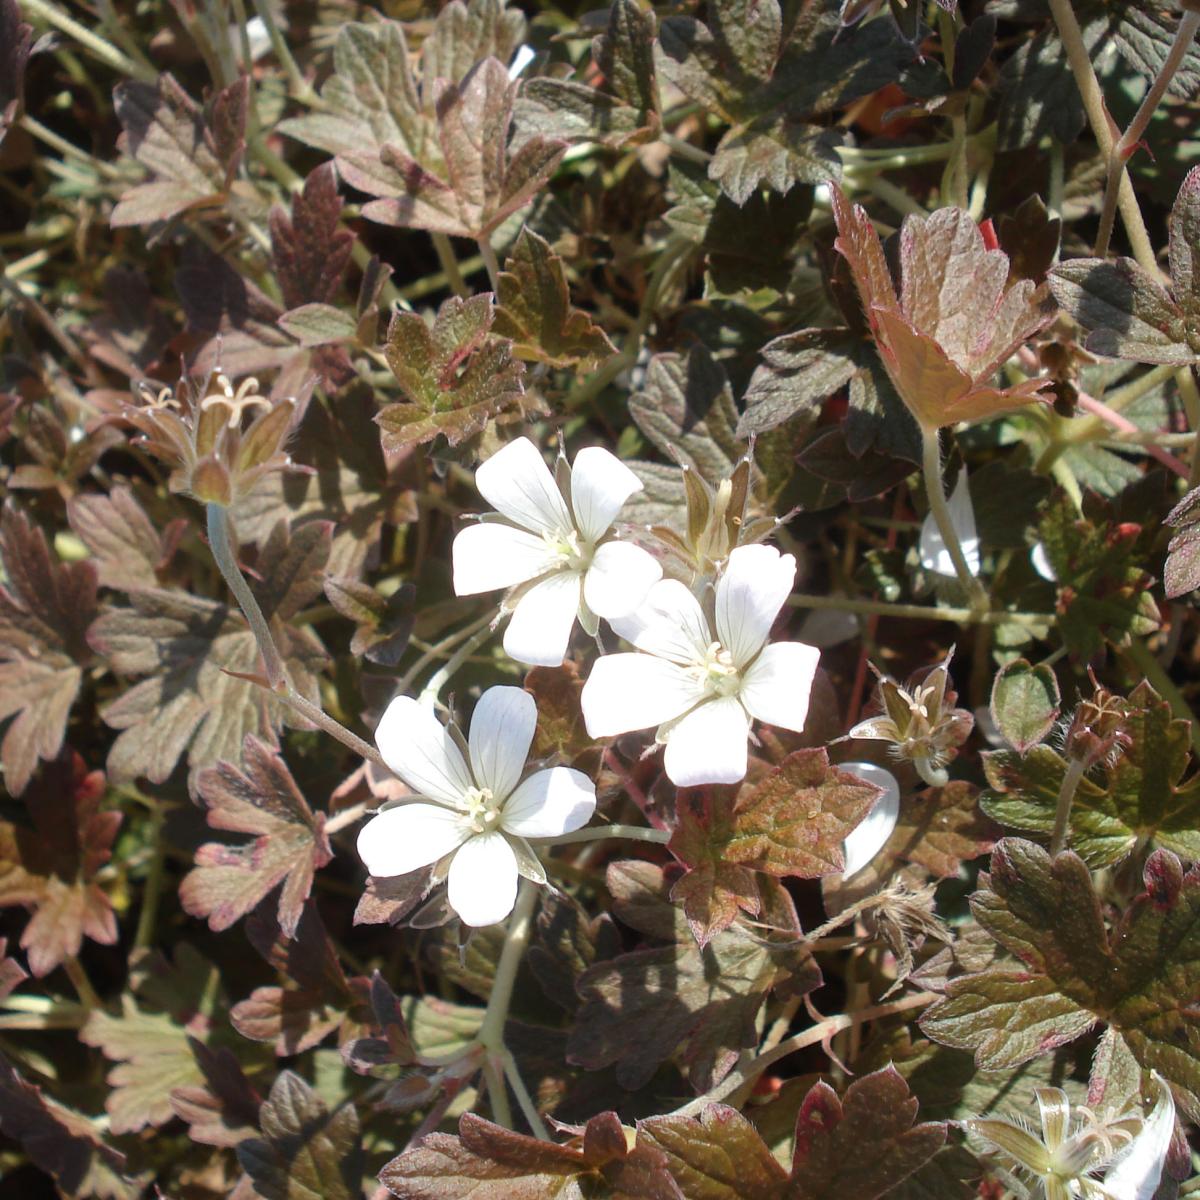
x,y
559,540
703,690
481,811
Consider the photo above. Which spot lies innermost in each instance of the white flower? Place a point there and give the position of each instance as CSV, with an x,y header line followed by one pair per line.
x,y
868,837
934,555
558,542
481,811
523,57
700,690
1136,1173
1041,562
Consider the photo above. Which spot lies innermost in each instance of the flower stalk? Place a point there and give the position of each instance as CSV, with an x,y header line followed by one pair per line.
x,y
932,461
1066,795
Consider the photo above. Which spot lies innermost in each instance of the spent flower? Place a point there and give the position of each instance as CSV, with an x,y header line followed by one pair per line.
x,y
553,543
703,688
920,721
475,811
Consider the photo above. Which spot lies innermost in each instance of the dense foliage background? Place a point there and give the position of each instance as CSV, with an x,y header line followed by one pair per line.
x,y
627,241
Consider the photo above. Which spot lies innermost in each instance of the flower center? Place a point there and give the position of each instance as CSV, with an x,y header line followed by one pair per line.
x,y
717,672
573,552
483,813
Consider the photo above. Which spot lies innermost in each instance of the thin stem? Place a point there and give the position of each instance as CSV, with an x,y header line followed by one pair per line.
x,y
322,720
524,1099
921,612
1185,34
81,983
1066,794
1098,118
636,833
300,87
1185,381
221,543
497,1092
439,648
932,456
152,890
489,260
1114,419
103,50
743,1077
685,149
347,816
439,679
1156,675
445,253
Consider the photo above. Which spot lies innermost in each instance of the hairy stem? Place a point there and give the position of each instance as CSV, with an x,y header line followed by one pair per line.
x,y
105,51
921,612
1098,118
932,455
1066,794
152,890
299,86
636,833
1185,34
487,250
446,256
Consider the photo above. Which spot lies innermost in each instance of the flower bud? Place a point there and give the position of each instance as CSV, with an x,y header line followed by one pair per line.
x,y
1097,730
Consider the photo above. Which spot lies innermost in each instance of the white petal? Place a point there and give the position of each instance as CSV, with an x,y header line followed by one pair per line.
x,y
670,624
1138,1172
868,837
934,555
635,691
523,57
551,802
1041,562
752,589
619,579
777,685
490,556
408,837
540,627
417,747
516,482
600,485
483,880
502,728
709,744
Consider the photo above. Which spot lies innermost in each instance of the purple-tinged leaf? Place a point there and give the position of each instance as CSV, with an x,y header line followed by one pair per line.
x,y
309,248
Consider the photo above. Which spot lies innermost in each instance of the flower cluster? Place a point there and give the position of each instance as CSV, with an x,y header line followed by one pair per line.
x,y
701,670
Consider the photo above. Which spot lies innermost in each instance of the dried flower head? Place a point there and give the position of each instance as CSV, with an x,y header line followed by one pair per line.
x,y
920,721
956,318
198,431
1097,729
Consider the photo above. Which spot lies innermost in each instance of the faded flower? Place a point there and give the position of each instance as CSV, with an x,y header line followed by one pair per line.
x,y
920,721
956,319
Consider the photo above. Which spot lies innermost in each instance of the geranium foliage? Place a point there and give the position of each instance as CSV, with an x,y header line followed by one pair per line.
x,y
599,604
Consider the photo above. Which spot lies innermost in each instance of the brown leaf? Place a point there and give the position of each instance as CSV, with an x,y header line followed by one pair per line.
x,y
309,248
127,549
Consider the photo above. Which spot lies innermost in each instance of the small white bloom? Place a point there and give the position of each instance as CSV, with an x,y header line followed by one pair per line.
x,y
563,543
702,691
480,811
934,555
1137,1172
523,57
1041,562
869,836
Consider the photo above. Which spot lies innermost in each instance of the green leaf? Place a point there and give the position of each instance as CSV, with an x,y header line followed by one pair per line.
x,y
318,324
290,843
191,154
639,1008
861,1144
45,610
50,865
533,308
187,649
1025,703
779,150
454,375
1141,799
1181,573
305,1152
1103,594
1135,978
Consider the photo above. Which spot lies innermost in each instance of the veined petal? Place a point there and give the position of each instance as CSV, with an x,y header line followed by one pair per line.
x,y
515,481
600,485
502,728
1138,1172
777,685
483,879
417,747
490,556
408,837
635,691
709,744
670,624
934,555
551,802
540,627
869,836
755,583
619,579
